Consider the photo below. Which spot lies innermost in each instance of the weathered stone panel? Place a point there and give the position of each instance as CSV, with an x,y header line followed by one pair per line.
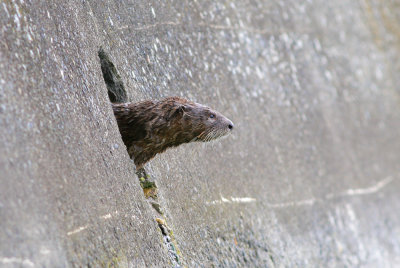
x,y
309,178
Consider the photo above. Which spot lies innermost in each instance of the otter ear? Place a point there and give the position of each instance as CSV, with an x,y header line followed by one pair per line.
x,y
179,111
183,108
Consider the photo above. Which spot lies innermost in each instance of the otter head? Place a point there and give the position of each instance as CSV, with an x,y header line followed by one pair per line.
x,y
150,127
204,123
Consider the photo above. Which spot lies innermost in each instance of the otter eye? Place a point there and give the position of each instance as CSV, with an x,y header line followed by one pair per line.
x,y
212,115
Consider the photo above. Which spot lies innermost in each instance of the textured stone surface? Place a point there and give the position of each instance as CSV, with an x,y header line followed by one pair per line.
x,y
310,177
69,194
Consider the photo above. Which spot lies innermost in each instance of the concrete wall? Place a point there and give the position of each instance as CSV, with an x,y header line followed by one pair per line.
x,y
310,177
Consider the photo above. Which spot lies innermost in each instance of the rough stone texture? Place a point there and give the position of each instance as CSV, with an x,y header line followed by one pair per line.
x,y
310,177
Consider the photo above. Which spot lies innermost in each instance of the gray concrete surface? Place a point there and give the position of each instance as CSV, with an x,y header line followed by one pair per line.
x,y
310,177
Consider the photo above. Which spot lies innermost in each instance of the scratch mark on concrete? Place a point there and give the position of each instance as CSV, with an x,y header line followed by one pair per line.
x,y
105,217
201,24
232,200
78,230
243,199
236,29
348,193
13,260
84,227
363,191
311,201
305,202
93,19
150,26
44,251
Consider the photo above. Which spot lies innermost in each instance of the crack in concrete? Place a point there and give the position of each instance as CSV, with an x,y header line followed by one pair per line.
x,y
169,243
150,192
117,93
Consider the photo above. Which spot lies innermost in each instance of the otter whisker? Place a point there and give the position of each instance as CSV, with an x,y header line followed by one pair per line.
x,y
207,138
210,136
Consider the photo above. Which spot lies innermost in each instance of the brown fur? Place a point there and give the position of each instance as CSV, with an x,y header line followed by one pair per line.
x,y
150,127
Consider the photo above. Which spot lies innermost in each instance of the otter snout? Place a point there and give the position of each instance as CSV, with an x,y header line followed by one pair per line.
x,y
230,124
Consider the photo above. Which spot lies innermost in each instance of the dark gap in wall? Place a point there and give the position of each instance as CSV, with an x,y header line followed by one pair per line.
x,y
149,187
115,86
117,94
150,192
169,243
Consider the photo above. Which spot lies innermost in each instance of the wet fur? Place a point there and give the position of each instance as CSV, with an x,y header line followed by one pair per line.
x,y
150,127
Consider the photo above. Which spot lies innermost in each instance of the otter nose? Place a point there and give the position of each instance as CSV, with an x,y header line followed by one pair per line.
x,y
230,126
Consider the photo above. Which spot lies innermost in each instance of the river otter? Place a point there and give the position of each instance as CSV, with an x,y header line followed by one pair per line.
x,y
150,127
